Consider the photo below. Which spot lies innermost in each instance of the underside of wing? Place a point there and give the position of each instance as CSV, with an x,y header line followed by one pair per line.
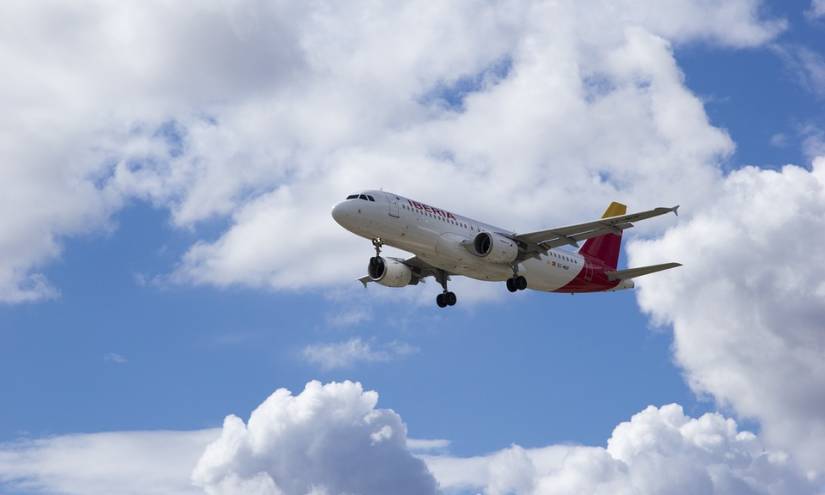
x,y
535,243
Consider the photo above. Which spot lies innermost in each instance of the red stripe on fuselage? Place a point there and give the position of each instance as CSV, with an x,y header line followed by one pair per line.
x,y
591,278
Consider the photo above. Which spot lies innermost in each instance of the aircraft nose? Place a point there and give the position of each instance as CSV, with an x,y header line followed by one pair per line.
x,y
339,213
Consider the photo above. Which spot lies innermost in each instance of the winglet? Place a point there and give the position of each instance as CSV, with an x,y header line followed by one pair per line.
x,y
365,280
615,209
675,210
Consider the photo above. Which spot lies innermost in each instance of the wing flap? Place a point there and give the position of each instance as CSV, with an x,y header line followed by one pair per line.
x,y
638,272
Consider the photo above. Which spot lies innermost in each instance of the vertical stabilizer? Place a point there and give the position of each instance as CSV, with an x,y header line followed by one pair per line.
x,y
606,247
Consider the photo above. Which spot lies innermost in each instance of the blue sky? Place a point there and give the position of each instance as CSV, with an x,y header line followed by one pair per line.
x,y
194,355
172,297
754,95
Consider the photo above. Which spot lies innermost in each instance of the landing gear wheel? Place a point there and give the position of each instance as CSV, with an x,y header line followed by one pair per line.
x,y
446,298
440,300
518,282
450,298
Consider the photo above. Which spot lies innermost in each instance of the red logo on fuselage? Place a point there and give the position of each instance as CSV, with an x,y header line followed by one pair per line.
x,y
430,209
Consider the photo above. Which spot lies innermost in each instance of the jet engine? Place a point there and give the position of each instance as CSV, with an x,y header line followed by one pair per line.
x,y
389,272
495,247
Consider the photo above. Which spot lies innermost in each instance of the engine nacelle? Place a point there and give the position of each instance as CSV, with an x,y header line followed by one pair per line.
x,y
389,272
495,248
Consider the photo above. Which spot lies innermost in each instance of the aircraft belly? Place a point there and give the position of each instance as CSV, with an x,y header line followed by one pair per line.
x,y
477,269
548,275
450,255
444,250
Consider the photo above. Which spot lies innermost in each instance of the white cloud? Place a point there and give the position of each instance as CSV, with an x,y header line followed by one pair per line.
x,y
353,351
659,451
42,201
427,445
265,114
349,317
139,463
816,10
618,87
748,307
813,142
331,439
113,357
327,439
780,140
805,64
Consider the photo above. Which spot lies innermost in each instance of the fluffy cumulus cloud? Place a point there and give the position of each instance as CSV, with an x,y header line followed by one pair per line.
x,y
659,451
264,114
748,308
332,439
618,86
329,439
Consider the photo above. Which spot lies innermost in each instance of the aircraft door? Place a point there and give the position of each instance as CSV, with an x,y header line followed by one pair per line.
x,y
393,202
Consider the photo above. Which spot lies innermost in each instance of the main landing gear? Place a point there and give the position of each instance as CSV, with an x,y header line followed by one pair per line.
x,y
516,282
446,298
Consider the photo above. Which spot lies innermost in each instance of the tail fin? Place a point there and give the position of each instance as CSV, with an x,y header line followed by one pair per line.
x,y
606,247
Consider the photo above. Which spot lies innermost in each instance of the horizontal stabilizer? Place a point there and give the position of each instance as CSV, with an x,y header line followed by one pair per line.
x,y
638,272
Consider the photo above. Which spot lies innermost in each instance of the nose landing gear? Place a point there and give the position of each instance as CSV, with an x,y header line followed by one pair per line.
x,y
376,265
377,243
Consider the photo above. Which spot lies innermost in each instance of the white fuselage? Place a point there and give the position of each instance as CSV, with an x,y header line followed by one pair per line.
x,y
440,237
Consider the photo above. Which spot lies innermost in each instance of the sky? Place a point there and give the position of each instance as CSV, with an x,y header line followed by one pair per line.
x,y
179,313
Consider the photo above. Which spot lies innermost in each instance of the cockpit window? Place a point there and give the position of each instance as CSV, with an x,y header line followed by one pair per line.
x,y
365,197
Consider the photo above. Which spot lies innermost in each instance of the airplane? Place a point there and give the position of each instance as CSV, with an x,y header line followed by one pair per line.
x,y
446,244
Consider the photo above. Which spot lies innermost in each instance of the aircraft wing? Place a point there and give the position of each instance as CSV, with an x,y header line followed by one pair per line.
x,y
535,243
420,268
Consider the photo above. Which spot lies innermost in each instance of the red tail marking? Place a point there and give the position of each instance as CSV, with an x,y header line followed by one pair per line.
x,y
606,247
